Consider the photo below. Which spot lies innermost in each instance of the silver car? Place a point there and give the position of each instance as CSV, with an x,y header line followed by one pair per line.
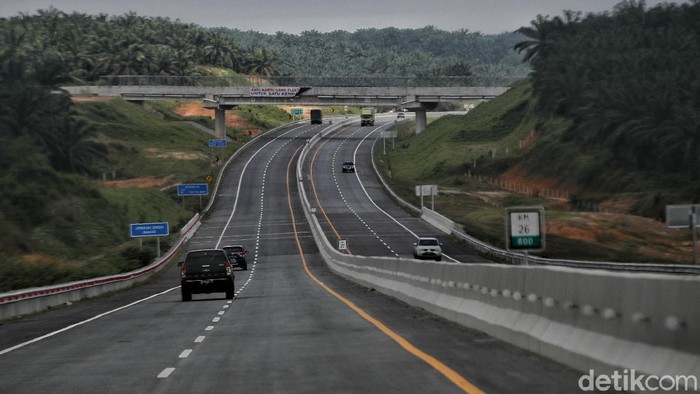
x,y
427,248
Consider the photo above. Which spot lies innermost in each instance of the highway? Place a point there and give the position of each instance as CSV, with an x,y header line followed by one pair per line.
x,y
293,326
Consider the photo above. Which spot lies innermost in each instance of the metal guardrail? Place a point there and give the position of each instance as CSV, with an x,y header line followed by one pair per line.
x,y
314,81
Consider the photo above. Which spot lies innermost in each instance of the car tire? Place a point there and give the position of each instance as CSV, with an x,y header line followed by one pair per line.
x,y
244,267
186,294
439,258
230,293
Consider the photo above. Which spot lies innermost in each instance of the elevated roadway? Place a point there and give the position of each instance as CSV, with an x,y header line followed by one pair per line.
x,y
416,95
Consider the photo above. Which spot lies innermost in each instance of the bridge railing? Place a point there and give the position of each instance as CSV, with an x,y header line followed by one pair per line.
x,y
318,81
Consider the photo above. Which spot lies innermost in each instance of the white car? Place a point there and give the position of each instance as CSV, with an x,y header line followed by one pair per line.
x,y
427,248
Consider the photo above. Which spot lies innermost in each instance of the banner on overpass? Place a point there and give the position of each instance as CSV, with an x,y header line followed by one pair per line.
x,y
275,91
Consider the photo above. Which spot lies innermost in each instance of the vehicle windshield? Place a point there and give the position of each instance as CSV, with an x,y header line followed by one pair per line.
x,y
428,242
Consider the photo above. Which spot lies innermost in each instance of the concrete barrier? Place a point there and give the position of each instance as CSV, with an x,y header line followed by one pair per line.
x,y
587,319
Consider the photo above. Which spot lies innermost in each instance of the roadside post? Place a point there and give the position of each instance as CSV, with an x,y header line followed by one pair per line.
x,y
218,143
525,230
142,230
296,112
685,216
388,134
193,189
427,190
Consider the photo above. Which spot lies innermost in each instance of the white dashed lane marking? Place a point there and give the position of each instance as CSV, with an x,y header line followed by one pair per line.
x,y
185,353
165,373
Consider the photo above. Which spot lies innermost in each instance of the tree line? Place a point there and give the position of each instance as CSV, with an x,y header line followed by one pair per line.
x,y
392,51
628,78
85,47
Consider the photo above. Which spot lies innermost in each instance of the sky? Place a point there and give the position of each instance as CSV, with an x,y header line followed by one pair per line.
x,y
296,16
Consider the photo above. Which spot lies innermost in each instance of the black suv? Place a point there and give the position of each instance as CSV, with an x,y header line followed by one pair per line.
x,y
348,166
236,254
206,271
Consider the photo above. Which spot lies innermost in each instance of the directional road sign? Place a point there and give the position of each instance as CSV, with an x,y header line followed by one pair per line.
x,y
218,143
149,229
193,189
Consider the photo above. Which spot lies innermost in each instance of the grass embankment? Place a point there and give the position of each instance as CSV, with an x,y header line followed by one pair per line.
x,y
478,161
84,231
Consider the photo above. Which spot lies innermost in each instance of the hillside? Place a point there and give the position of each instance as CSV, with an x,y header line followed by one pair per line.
x,y
482,162
605,134
59,226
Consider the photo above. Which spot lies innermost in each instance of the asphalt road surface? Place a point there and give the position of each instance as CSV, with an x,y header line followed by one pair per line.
x,y
293,326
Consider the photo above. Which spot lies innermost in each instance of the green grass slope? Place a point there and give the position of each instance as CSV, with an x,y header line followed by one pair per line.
x,y
71,227
502,154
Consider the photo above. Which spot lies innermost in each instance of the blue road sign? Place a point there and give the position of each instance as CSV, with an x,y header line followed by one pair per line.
x,y
193,189
215,143
149,229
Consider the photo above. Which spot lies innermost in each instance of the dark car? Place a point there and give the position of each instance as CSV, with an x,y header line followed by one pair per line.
x,y
206,271
348,166
236,254
400,115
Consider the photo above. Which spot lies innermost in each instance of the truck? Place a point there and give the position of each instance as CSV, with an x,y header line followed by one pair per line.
x,y
367,116
316,116
206,271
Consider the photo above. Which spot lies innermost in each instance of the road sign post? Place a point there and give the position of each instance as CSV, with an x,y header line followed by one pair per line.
x,y
685,216
427,190
218,143
525,229
193,189
158,229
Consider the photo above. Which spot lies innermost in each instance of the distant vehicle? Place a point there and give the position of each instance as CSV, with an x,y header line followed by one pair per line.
x,y
316,116
427,248
348,166
400,115
236,254
367,116
206,271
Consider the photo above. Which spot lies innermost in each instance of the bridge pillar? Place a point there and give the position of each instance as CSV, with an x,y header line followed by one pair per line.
x,y
421,120
220,123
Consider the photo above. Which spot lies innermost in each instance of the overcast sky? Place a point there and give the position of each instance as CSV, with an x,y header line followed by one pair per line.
x,y
295,16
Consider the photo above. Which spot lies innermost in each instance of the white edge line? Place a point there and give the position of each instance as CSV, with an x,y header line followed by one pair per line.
x,y
21,345
354,158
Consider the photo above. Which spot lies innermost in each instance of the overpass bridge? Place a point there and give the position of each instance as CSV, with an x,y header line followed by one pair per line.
x,y
413,94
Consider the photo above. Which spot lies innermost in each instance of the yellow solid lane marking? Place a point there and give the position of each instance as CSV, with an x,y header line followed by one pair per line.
x,y
448,372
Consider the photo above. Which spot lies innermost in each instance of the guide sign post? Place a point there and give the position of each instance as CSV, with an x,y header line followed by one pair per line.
x,y
193,189
141,230
525,230
685,216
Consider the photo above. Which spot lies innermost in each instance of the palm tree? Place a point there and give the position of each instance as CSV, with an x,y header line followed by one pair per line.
x,y
538,34
220,51
262,63
73,146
